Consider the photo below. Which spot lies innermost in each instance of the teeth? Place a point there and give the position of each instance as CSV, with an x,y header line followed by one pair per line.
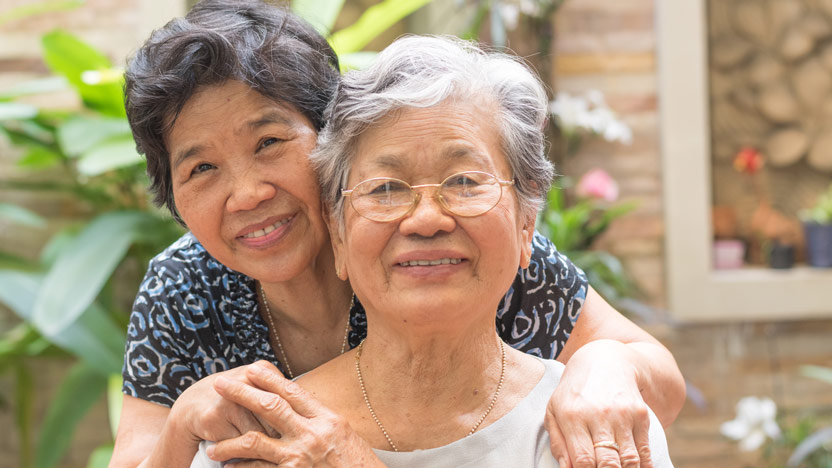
x,y
267,229
441,261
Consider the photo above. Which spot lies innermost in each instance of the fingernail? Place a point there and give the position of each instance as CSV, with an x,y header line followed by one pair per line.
x,y
210,451
562,462
258,369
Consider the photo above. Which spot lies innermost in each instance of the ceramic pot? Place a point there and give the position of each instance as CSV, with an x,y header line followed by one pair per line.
x,y
781,256
818,244
729,254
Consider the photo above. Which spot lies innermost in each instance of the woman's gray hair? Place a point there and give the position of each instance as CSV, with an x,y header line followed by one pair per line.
x,y
424,71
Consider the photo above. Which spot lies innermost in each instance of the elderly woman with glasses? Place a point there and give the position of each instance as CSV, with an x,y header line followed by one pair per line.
x,y
432,170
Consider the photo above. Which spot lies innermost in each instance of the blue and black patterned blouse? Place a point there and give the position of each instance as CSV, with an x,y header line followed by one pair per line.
x,y
194,317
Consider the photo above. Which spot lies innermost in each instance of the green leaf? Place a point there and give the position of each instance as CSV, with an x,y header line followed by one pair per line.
x,y
375,20
24,411
17,111
68,56
109,155
92,335
94,338
18,290
78,392
39,157
13,262
100,457
321,14
114,400
356,60
56,244
81,134
29,132
82,269
38,8
824,374
41,86
19,215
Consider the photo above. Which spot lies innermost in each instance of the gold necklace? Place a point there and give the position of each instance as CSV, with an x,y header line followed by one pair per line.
x,y
277,338
384,431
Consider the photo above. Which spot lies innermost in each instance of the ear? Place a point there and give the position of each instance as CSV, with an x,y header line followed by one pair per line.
x,y
337,241
526,237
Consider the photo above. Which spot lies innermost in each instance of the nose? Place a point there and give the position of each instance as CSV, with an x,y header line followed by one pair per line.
x,y
427,218
248,190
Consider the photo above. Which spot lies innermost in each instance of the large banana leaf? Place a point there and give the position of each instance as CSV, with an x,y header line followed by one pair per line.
x,y
321,14
68,56
17,111
80,134
78,392
377,19
39,86
92,336
110,154
83,267
19,215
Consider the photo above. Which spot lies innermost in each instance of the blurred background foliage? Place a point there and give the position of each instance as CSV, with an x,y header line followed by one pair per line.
x,y
74,300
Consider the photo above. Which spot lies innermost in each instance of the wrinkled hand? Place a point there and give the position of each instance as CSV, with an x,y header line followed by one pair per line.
x,y
311,434
598,399
206,415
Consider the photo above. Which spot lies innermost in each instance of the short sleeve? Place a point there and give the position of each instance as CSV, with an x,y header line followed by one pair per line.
x,y
154,365
540,309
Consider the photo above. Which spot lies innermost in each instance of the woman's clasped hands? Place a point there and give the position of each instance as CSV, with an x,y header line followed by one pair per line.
x,y
298,430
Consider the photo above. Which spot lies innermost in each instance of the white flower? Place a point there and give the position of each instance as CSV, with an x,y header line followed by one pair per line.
x,y
510,14
754,422
576,114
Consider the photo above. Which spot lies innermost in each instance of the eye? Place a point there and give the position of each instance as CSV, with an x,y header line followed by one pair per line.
x,y
269,142
202,167
462,181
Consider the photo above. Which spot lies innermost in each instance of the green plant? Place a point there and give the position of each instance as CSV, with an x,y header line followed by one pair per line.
x,y
573,224
74,299
821,213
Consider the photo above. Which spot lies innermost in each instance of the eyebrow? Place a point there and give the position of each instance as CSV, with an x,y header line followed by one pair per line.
x,y
268,118
452,154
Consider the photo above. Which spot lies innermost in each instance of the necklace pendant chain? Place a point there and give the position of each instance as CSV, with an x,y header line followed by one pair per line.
x,y
277,337
381,426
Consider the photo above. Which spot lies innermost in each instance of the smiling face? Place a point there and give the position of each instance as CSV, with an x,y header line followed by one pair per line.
x,y
243,184
431,268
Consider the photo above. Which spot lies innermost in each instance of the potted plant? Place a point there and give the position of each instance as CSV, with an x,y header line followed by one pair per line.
x,y
817,225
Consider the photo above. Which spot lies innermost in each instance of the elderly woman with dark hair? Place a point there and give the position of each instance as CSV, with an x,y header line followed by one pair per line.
x,y
432,168
226,104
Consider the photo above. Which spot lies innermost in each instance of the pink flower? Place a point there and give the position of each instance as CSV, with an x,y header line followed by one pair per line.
x,y
598,184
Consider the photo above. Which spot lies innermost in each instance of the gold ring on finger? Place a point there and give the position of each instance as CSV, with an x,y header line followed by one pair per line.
x,y
607,444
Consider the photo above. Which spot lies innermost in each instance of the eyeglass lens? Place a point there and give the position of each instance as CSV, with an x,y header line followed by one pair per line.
x,y
463,194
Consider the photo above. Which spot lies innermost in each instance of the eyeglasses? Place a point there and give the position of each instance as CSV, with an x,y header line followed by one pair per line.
x,y
465,194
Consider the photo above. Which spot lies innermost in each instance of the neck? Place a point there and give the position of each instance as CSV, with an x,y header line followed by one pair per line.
x,y
401,379
311,302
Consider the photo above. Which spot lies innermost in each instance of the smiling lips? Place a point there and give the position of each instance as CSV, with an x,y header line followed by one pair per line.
x,y
266,230
439,261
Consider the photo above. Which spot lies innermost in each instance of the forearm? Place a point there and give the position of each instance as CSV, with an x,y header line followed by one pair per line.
x,y
657,375
151,435
659,380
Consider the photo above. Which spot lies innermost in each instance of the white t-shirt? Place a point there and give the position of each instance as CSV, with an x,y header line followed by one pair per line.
x,y
517,440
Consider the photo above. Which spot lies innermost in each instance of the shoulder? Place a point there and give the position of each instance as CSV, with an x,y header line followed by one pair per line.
x,y
186,256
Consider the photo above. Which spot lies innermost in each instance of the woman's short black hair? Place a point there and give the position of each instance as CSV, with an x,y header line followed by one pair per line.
x,y
267,47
